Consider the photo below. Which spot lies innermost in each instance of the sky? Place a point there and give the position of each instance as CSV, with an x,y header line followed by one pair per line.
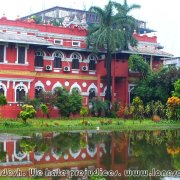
x,y
160,15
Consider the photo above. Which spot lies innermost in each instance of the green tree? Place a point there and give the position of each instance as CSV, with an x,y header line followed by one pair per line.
x,y
137,63
49,99
176,92
3,102
28,111
44,109
157,85
68,103
111,32
75,101
84,112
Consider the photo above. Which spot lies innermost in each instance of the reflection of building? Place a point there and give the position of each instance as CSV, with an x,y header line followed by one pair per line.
x,y
41,57
107,154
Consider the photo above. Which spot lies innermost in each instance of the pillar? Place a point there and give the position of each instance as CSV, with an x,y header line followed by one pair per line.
x,y
98,85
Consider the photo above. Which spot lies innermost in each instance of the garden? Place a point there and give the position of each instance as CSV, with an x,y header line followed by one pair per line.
x,y
156,104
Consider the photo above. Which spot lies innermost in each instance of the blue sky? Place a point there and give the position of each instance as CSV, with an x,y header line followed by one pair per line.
x,y
160,15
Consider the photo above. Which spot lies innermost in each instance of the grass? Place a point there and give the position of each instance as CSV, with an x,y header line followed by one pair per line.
x,y
39,125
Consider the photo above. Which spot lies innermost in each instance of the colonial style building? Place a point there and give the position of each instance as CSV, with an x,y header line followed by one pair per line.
x,y
48,49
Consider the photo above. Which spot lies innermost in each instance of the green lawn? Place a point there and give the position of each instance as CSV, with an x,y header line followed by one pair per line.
x,y
36,125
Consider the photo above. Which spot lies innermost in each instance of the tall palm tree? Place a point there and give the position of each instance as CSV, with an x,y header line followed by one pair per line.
x,y
109,33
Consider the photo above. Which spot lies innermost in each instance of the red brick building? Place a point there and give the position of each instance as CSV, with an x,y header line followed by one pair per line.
x,y
40,57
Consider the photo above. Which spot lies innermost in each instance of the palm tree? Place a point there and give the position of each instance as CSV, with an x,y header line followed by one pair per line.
x,y
109,33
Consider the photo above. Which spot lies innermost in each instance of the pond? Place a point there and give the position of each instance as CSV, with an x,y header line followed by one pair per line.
x,y
77,155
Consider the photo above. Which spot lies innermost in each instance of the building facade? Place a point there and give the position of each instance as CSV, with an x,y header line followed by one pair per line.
x,y
41,57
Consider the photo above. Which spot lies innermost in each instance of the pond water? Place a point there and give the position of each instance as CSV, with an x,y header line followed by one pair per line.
x,y
76,155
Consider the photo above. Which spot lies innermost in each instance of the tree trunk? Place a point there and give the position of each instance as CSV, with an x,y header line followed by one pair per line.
x,y
108,72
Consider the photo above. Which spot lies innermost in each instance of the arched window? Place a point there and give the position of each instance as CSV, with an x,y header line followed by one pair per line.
x,y
75,61
2,90
92,62
57,60
20,93
39,58
38,90
76,89
92,93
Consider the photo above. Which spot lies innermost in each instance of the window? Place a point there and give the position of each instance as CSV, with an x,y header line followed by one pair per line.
x,y
92,62
58,60
38,59
1,53
92,93
38,90
58,41
75,61
76,89
76,43
21,55
2,90
20,93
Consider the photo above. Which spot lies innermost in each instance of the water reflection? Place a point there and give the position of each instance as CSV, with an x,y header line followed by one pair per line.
x,y
44,153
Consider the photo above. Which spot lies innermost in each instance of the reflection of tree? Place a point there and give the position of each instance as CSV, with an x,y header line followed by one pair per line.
x,y
98,138
42,145
63,142
26,145
150,149
2,153
176,161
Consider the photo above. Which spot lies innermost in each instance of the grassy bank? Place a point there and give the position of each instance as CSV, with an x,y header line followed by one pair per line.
x,y
39,125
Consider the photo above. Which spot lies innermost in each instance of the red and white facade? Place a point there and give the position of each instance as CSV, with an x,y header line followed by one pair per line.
x,y
36,57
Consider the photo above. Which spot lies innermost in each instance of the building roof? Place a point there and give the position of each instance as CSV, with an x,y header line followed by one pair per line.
x,y
148,51
23,39
58,14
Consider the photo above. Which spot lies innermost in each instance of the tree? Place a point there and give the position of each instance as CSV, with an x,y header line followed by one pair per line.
x,y
28,111
44,109
49,99
157,85
176,92
111,32
68,103
3,102
137,63
84,112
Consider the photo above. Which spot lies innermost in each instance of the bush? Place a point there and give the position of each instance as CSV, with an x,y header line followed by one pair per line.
x,y
123,111
2,100
68,103
137,108
28,111
44,109
176,92
155,108
173,108
99,108
84,112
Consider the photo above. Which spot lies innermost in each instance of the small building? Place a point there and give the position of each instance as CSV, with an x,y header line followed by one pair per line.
x,y
172,62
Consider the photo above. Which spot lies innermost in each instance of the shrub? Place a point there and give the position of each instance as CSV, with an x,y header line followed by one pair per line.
x,y
155,108
68,103
156,118
28,111
44,109
99,107
137,108
84,112
176,92
173,108
123,111
2,100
